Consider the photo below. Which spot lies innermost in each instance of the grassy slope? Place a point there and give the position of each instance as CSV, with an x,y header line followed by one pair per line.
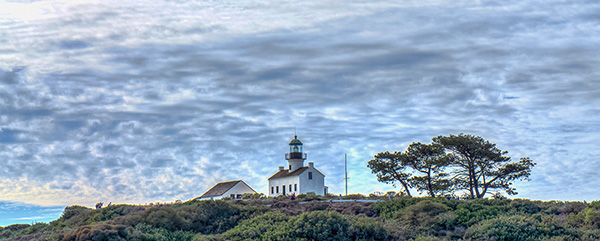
x,y
267,219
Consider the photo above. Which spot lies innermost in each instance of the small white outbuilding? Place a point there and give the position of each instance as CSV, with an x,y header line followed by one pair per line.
x,y
231,189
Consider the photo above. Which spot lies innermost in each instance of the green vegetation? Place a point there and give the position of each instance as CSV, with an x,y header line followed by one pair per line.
x,y
403,218
450,164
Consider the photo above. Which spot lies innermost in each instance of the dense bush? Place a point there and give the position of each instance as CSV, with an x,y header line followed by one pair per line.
x,y
104,232
354,196
269,219
469,213
388,209
363,228
209,217
147,233
76,216
260,227
318,225
164,218
253,195
517,227
426,217
12,230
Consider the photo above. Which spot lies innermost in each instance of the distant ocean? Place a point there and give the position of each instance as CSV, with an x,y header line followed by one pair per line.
x,y
15,212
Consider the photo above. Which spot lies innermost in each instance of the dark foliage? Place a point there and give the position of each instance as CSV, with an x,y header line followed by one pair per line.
x,y
452,163
401,219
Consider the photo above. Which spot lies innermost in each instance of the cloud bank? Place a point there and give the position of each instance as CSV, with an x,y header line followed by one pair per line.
x,y
137,103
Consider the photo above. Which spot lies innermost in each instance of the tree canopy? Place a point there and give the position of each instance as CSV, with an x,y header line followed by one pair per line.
x,y
429,160
391,168
481,167
452,163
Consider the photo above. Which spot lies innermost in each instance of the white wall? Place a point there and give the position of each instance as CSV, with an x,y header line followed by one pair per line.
x,y
295,164
279,182
239,188
316,184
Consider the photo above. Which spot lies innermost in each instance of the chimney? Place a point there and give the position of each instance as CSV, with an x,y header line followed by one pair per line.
x,y
281,168
311,165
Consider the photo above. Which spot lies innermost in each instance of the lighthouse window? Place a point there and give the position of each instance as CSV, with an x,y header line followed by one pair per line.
x,y
290,187
309,175
277,189
295,148
295,187
272,190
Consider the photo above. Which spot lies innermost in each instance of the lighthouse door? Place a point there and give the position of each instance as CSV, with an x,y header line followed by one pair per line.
x,y
283,187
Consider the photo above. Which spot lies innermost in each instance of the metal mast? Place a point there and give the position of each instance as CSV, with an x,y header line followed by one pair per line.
x,y
346,173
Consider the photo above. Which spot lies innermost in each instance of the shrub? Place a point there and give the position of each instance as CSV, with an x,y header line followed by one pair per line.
x,y
208,217
260,227
315,206
389,210
76,216
562,208
75,210
471,212
146,232
427,238
425,217
98,232
363,228
318,225
165,218
595,204
253,196
210,237
592,217
16,227
36,228
354,196
357,209
518,227
524,206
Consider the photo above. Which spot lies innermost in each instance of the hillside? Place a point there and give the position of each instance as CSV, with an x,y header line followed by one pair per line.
x,y
272,219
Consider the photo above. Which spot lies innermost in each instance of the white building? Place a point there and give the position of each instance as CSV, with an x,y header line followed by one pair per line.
x,y
298,179
231,189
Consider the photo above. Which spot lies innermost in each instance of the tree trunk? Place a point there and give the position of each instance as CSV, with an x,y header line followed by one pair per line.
x,y
429,183
406,188
476,184
471,183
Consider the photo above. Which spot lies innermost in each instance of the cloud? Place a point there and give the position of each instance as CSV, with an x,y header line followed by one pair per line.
x,y
73,44
159,102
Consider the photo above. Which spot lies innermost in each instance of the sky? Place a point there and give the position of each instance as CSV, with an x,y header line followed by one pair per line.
x,y
138,102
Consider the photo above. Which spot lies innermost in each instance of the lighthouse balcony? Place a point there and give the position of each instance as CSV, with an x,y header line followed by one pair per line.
x,y
295,155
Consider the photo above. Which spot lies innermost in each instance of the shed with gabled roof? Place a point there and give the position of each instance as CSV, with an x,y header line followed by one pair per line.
x,y
230,189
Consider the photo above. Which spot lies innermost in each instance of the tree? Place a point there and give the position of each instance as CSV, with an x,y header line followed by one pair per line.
x,y
390,167
430,160
481,167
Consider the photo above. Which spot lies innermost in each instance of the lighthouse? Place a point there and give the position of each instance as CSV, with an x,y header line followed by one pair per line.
x,y
295,157
297,178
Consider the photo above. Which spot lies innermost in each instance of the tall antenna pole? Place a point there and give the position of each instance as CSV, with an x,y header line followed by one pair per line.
x,y
346,173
